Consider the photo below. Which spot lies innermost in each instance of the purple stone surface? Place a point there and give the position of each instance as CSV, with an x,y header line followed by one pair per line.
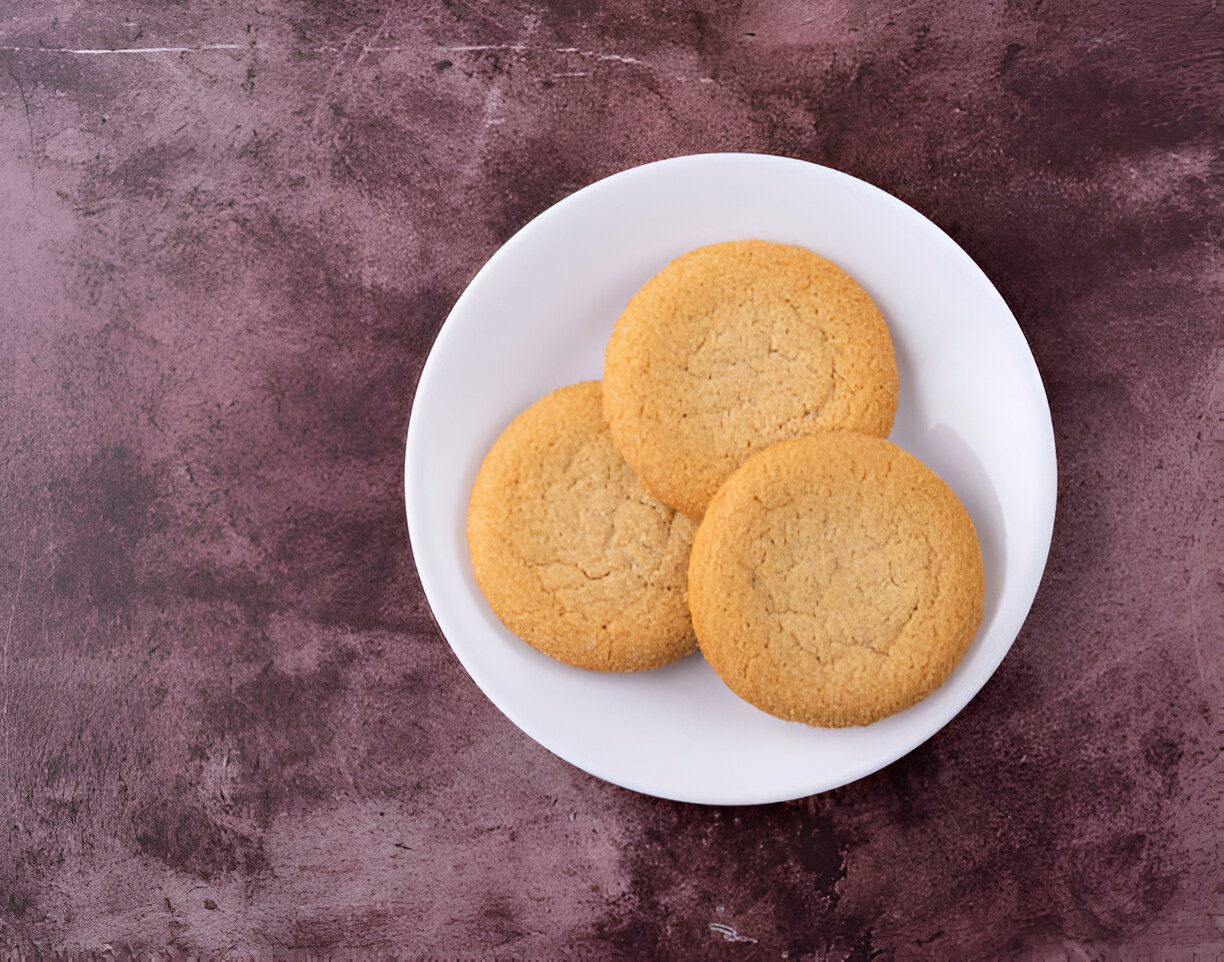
x,y
228,235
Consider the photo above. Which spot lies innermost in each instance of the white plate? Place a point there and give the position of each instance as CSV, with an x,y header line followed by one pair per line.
x,y
538,315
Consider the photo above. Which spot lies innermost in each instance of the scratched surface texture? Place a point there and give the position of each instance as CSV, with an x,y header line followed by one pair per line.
x,y
228,235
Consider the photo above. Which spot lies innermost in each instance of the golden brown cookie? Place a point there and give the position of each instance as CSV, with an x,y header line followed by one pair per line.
x,y
573,554
835,580
734,347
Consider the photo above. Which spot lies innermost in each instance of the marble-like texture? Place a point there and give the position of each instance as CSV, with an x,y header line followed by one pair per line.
x,y
227,720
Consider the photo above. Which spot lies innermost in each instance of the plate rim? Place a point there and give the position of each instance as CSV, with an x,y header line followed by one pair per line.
x,y
1048,493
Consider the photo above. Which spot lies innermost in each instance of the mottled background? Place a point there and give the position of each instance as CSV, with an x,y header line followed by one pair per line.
x,y
228,235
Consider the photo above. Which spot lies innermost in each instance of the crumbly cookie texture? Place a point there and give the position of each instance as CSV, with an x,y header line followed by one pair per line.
x,y
571,551
835,580
734,347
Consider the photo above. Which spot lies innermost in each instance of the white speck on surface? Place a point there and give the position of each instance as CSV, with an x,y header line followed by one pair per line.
x,y
87,51
728,933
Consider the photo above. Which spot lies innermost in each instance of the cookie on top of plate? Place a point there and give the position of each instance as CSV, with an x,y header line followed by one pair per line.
x,y
734,347
835,580
572,553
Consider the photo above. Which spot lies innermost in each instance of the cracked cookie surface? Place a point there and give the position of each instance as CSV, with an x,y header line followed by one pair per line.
x,y
835,580
571,551
734,347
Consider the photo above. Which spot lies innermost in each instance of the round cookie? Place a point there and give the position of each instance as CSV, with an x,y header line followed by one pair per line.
x,y
734,347
835,580
572,553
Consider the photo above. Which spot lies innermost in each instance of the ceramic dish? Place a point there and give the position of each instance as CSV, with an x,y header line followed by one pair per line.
x,y
538,315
